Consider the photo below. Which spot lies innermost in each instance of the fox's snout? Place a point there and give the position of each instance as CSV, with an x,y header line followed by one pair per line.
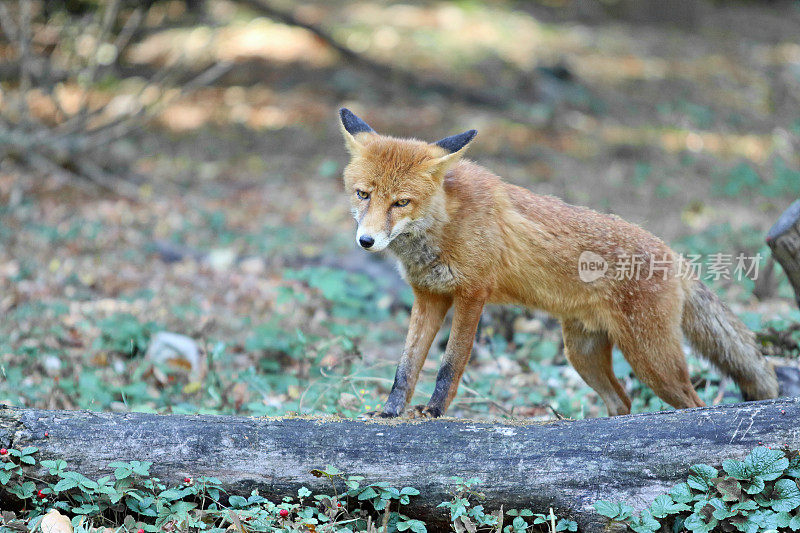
x,y
374,241
378,222
377,229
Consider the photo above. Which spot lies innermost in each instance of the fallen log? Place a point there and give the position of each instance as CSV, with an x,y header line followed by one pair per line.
x,y
567,465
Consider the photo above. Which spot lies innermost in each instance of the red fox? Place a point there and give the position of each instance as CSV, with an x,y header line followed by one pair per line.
x,y
464,238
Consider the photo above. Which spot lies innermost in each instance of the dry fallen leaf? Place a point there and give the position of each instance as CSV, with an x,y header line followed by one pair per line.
x,y
349,401
55,522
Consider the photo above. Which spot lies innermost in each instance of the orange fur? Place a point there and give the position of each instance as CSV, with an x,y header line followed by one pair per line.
x,y
467,238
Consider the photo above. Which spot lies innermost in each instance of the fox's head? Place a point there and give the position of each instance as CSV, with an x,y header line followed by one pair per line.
x,y
395,185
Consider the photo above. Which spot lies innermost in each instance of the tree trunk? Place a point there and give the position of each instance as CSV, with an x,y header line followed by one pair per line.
x,y
567,465
784,240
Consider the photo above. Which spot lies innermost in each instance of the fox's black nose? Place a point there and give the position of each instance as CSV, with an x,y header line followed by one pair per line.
x,y
366,241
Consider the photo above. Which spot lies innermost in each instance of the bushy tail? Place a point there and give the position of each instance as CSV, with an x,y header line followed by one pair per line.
x,y
714,331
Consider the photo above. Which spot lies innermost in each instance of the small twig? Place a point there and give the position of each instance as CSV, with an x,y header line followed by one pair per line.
x,y
52,80
45,166
24,43
109,16
7,23
128,30
553,410
51,92
386,517
487,399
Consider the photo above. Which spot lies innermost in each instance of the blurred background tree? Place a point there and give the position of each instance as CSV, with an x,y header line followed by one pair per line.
x,y
54,122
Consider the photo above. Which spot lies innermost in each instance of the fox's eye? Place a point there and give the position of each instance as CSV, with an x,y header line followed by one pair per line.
x,y
402,203
362,194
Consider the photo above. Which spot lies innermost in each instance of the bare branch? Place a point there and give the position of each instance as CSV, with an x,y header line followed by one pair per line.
x,y
383,72
72,148
106,181
207,77
124,125
46,166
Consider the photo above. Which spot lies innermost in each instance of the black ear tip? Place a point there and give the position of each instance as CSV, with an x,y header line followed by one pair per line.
x,y
457,142
352,123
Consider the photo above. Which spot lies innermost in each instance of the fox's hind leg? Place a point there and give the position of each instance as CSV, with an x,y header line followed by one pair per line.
x,y
589,352
657,359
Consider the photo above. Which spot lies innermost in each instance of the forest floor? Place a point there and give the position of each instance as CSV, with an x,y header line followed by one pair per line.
x,y
241,236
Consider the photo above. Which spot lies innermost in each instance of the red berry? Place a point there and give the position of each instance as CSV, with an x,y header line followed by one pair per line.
x,y
140,530
284,513
3,451
41,495
46,433
187,480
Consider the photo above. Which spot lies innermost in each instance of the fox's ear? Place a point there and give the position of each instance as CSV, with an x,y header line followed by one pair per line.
x,y
351,127
454,147
455,143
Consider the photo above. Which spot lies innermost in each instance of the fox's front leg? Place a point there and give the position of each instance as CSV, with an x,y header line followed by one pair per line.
x,y
467,315
427,315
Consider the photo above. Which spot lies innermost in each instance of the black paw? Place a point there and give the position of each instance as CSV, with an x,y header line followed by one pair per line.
x,y
424,411
377,414
433,412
